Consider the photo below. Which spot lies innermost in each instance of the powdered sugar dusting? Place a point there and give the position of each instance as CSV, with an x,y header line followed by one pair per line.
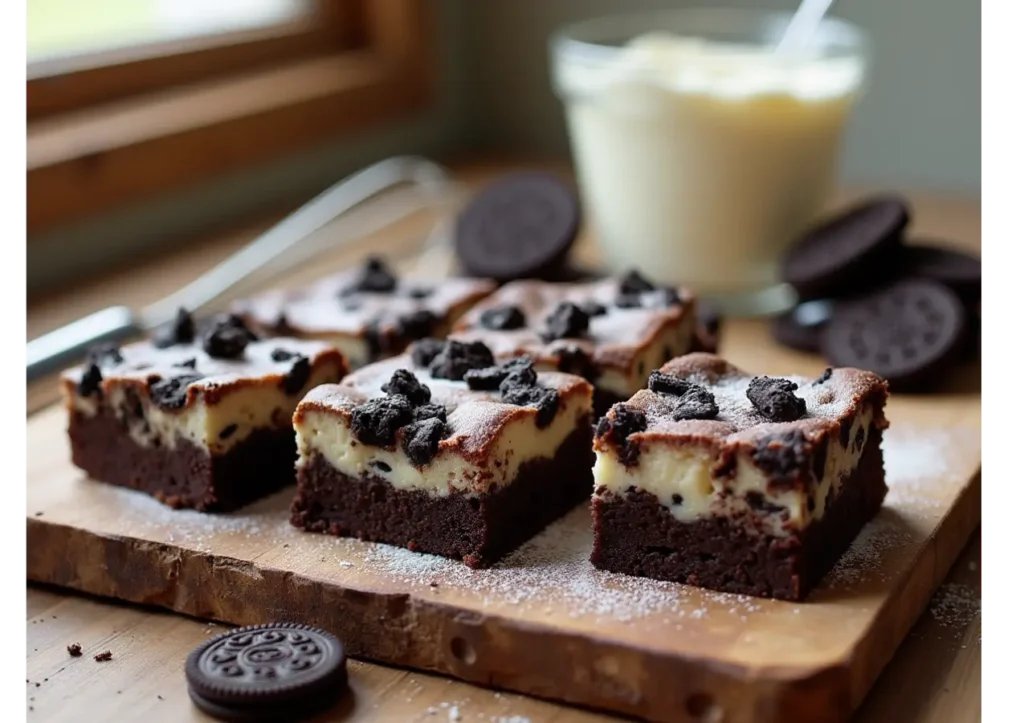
x,y
553,571
923,468
551,575
955,605
265,521
867,556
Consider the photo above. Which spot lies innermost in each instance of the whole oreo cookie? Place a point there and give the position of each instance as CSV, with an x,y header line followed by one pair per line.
x,y
280,671
847,253
907,333
521,226
959,271
801,327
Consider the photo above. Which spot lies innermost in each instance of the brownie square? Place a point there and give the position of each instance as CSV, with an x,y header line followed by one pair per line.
x,y
614,332
408,452
752,485
200,420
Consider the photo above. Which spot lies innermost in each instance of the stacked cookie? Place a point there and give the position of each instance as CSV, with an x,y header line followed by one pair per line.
x,y
870,299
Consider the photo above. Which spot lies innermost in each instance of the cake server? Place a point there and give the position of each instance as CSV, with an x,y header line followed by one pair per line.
x,y
413,182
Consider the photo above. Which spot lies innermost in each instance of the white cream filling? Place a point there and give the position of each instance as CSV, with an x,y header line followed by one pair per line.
x,y
667,470
247,408
518,442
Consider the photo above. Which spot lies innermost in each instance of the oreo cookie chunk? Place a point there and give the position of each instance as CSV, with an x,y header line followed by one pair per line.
x,y
801,327
521,226
274,672
908,333
468,463
849,252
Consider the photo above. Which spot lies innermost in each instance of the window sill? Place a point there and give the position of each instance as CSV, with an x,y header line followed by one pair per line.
x,y
93,160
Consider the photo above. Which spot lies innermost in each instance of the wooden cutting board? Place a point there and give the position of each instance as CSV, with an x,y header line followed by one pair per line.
x,y
544,622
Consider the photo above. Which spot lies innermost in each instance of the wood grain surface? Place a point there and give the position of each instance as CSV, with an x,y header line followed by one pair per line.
x,y
939,678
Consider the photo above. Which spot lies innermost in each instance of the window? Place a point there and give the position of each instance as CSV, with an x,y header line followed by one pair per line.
x,y
128,99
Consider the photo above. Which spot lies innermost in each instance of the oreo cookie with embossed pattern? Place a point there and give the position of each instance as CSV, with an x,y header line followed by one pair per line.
x,y
907,333
521,226
279,671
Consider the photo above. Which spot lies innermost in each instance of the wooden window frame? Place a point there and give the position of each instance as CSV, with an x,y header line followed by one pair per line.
x,y
138,124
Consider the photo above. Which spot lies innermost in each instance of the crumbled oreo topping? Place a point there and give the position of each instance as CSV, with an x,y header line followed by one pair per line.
x,y
593,308
377,421
180,331
189,363
171,392
491,378
456,358
419,292
416,325
403,382
543,399
519,372
635,283
374,277
825,376
697,402
225,342
430,411
424,350
773,397
297,376
421,440
693,400
282,355
784,457
667,384
91,379
231,319
621,422
105,355
503,318
628,301
566,321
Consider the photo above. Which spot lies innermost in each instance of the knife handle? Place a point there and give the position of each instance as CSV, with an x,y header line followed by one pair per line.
x,y
67,345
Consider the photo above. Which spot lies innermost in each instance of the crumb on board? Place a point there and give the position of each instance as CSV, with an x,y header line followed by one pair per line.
x,y
74,650
103,657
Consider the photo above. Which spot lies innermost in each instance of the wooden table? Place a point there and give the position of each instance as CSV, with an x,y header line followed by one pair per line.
x,y
935,676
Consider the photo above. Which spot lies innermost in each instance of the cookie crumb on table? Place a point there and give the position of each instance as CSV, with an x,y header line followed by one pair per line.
x,y
103,657
74,650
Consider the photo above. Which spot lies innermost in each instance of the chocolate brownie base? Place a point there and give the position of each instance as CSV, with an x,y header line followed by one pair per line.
x,y
188,475
635,534
477,530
